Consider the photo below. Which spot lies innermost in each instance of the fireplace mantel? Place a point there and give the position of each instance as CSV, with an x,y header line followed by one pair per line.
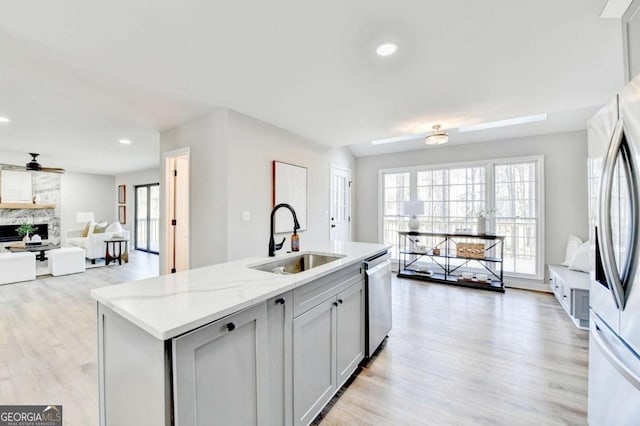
x,y
26,206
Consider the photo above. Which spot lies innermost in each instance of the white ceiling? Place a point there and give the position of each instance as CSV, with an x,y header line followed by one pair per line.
x,y
77,76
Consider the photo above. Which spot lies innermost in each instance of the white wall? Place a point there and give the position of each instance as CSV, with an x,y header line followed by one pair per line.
x,y
206,138
253,145
231,157
86,193
565,161
130,180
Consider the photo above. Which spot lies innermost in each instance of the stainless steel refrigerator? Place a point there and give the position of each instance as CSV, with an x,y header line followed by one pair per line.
x,y
614,217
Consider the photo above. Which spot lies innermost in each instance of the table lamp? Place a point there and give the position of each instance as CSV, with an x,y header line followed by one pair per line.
x,y
413,209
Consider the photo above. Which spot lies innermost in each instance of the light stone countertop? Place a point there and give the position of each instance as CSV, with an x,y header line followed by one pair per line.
x,y
170,305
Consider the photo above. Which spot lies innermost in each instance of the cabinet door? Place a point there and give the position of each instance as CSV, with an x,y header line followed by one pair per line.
x,y
349,331
220,372
280,334
314,354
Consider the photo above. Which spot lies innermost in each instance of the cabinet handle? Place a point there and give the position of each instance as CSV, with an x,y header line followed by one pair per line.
x,y
340,301
231,326
335,303
280,301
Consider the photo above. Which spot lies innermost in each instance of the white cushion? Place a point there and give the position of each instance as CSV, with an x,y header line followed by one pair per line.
x,y
92,226
92,229
78,242
572,244
17,267
580,259
115,228
66,260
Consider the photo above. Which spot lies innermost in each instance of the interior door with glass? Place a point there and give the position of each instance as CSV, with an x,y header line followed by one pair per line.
x,y
147,215
340,205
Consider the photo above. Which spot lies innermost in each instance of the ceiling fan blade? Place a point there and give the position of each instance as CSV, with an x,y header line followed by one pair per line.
x,y
52,170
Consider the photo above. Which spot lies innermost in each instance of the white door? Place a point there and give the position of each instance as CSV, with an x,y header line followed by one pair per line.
x,y
177,213
340,205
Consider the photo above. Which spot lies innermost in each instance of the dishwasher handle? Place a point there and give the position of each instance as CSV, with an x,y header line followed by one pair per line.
x,y
386,264
379,258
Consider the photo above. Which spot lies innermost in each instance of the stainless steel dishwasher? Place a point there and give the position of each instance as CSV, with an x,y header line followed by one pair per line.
x,y
378,300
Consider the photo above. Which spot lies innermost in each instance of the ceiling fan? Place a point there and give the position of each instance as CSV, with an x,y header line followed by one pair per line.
x,y
33,166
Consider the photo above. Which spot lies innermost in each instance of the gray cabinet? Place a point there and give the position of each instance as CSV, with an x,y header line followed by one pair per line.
x,y
280,352
314,354
328,345
220,371
349,332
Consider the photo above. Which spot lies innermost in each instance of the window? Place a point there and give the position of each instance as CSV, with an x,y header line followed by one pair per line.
x,y
454,195
452,198
516,215
396,189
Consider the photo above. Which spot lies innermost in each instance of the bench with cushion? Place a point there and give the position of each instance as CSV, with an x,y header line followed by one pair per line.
x,y
571,288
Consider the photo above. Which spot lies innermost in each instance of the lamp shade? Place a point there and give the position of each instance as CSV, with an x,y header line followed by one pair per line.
x,y
84,217
412,208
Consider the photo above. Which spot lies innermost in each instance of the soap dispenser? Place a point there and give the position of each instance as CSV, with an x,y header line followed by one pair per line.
x,y
295,241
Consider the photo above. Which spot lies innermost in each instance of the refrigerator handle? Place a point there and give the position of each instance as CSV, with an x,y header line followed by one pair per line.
x,y
620,357
631,262
605,237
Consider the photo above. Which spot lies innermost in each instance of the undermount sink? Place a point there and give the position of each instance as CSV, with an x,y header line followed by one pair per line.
x,y
296,264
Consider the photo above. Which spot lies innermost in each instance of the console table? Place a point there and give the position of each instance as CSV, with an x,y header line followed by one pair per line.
x,y
447,258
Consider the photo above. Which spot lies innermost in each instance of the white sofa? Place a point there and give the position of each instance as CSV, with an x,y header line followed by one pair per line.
x,y
93,244
15,267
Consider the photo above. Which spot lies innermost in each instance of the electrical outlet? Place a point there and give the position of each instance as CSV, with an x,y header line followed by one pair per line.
x,y
246,216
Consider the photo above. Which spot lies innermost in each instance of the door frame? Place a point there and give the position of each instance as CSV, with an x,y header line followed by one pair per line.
x,y
166,256
333,167
135,216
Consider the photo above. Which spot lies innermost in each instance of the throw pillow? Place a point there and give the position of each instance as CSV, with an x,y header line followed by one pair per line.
x,y
572,244
580,261
115,228
85,231
100,228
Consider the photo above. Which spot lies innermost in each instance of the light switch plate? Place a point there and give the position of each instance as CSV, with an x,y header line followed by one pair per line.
x,y
246,216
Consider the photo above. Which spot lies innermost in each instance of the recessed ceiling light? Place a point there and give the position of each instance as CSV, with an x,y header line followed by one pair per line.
x,y
125,141
386,49
504,123
4,120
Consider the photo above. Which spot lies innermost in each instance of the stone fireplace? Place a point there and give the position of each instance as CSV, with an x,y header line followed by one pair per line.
x,y
45,214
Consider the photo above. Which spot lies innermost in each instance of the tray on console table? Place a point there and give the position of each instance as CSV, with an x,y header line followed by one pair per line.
x,y
443,253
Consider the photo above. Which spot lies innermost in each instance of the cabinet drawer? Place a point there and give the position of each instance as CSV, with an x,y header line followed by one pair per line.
x,y
316,292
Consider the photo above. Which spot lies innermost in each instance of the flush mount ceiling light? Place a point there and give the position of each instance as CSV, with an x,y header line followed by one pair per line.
x,y
438,137
4,120
125,141
386,49
504,123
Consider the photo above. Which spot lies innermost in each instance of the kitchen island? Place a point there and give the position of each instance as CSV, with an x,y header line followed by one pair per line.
x,y
230,344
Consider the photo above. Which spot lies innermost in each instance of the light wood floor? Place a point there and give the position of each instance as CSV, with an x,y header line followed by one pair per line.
x,y
455,356
48,338
460,356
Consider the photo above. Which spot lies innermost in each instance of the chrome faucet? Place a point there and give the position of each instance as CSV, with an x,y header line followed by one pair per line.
x,y
272,244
